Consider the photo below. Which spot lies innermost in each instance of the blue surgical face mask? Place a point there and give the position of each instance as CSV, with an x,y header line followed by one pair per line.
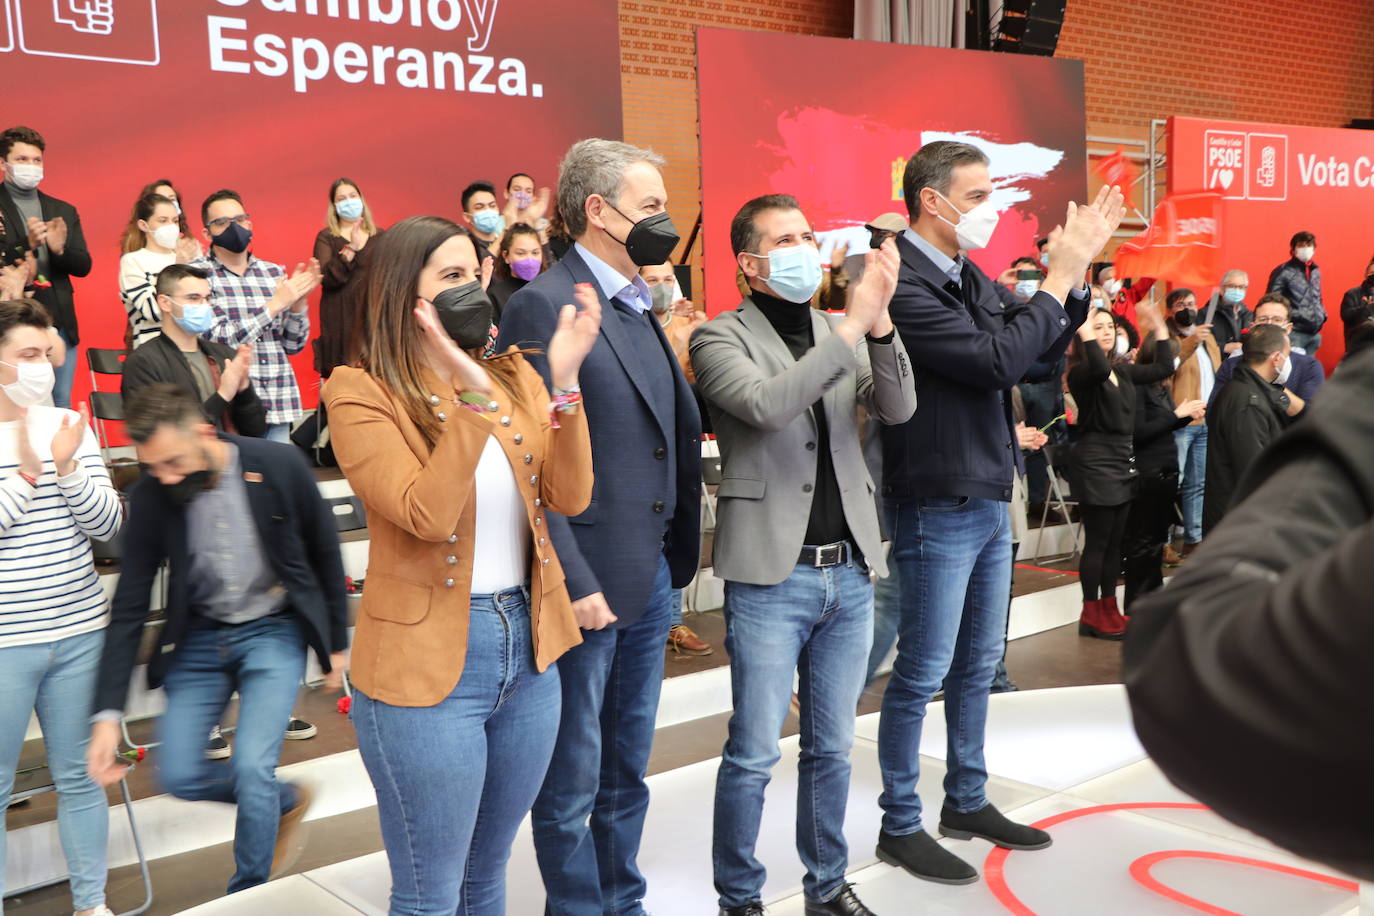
x,y
1233,296
489,221
1027,288
349,208
794,272
195,318
1044,259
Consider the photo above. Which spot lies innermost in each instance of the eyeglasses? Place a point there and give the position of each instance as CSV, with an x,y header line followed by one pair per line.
x,y
195,299
1271,320
218,225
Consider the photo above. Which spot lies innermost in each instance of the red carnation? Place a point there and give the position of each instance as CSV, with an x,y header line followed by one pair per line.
x,y
345,704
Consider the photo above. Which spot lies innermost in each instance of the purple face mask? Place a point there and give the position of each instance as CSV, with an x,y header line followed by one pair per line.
x,y
527,268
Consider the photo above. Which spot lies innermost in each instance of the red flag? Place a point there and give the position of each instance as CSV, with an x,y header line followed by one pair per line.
x,y
1117,169
1182,244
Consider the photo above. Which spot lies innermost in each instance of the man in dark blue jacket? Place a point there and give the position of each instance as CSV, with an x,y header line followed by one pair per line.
x,y
639,538
254,580
1306,375
1300,280
947,483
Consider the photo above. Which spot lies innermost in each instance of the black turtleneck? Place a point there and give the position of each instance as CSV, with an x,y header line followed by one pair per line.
x,y
792,322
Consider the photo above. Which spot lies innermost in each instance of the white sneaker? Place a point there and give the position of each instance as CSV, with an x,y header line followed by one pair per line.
x,y
101,910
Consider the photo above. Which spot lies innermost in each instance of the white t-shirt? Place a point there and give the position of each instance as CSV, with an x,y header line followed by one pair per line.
x,y
49,589
501,557
138,272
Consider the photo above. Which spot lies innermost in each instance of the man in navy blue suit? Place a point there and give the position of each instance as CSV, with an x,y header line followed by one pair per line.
x,y
639,538
947,475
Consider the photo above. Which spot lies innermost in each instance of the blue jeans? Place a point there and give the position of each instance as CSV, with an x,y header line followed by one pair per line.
x,y
954,557
264,661
455,780
819,623
589,816
676,599
1309,343
887,613
64,375
57,680
1192,469
278,432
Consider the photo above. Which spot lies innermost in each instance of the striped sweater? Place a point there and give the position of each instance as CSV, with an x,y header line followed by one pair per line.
x,y
49,589
138,272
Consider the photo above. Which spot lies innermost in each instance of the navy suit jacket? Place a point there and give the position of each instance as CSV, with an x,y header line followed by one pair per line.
x,y
1308,376
961,440
298,536
613,547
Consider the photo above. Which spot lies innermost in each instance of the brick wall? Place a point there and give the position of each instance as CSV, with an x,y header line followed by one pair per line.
x,y
658,75
1245,60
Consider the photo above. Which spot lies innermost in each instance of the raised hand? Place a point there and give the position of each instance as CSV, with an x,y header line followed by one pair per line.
x,y
188,249
445,355
68,438
235,378
302,283
485,271
866,307
578,327
538,207
838,252
357,236
29,462
1086,230
57,235
38,231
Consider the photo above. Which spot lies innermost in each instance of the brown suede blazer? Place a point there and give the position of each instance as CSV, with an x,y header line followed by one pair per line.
x,y
1186,385
411,638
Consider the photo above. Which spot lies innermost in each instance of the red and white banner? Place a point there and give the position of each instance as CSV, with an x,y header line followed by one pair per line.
x,y
1181,245
1275,180
412,99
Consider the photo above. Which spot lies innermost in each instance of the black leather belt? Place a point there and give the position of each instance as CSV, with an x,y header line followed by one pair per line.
x,y
834,554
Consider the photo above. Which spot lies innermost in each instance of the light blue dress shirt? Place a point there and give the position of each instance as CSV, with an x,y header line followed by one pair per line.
x,y
633,292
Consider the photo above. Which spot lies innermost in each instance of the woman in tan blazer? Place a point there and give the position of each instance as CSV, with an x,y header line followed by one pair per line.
x,y
457,458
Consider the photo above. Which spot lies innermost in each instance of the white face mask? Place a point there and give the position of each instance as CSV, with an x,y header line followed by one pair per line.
x,y
975,227
1305,253
33,386
1099,304
24,175
1284,371
1121,345
1112,287
167,235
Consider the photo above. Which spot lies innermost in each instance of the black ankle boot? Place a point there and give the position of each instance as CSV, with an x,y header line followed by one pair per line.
x,y
989,824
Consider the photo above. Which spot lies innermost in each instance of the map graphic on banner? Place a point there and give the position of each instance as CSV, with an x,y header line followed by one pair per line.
x,y
1276,180
411,99
840,147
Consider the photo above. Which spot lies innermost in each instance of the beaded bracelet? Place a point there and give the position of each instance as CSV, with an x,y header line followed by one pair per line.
x,y
472,401
563,401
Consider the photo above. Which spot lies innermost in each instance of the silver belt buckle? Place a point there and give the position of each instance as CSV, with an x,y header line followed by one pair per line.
x,y
829,555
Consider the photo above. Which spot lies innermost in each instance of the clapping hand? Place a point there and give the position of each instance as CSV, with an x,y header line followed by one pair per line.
x,y
866,308
578,327
68,438
485,271
235,378
1086,230
357,236
188,249
446,356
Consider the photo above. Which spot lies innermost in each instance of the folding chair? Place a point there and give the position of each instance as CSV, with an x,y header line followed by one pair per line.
x,y
1058,488
710,477
107,363
44,786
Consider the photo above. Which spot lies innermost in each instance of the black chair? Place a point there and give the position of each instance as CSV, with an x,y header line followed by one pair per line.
x,y
105,405
1059,494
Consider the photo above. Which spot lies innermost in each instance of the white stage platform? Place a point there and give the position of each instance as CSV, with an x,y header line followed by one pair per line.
x,y
1126,842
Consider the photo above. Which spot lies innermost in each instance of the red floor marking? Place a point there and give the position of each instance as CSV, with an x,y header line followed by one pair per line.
x,y
1063,572
994,867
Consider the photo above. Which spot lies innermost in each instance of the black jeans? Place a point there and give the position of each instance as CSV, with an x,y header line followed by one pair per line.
x,y
1147,531
1103,528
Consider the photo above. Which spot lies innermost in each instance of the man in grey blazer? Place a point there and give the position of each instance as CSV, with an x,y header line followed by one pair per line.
x,y
797,534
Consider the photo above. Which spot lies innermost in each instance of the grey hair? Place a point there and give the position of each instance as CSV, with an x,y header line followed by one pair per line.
x,y
1234,272
933,166
598,167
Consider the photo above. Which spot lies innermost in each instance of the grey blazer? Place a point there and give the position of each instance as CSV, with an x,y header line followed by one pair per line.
x,y
760,400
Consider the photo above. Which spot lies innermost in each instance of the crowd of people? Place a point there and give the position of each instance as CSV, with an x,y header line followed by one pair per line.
x,y
519,401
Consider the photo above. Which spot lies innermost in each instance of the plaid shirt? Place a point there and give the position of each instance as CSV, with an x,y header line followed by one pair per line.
x,y
241,317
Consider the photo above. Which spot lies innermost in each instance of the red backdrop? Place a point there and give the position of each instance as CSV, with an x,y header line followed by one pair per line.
x,y
1276,180
276,98
832,122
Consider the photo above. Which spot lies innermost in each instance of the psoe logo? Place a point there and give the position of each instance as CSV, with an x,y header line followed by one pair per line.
x,y
1268,158
111,31
1224,159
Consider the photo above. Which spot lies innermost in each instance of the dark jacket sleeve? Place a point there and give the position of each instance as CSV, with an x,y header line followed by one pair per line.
x,y
334,268
139,372
941,339
1355,307
321,538
1253,665
144,551
1153,424
1148,373
1091,371
528,321
75,259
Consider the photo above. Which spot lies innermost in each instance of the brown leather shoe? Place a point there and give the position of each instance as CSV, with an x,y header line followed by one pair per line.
x,y
683,641
1171,557
289,841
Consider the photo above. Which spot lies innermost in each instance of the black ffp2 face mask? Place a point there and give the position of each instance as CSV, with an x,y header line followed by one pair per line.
x,y
465,313
1185,318
651,240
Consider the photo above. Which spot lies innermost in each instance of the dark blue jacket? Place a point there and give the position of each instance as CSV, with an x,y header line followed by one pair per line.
x,y
961,441
1302,284
1307,377
298,536
613,547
